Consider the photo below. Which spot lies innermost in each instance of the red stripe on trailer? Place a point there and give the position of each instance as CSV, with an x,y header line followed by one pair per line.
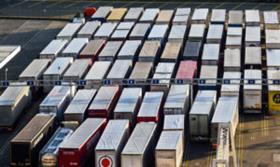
x,y
147,119
76,155
92,49
187,70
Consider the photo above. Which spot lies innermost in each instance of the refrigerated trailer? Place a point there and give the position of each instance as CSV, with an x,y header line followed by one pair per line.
x,y
139,149
104,102
48,155
178,100
110,51
112,141
97,72
170,148
78,149
150,110
128,105
57,100
13,101
25,146
77,109
53,49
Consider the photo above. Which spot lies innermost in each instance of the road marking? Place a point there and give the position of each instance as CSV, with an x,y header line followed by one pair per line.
x,y
221,4
35,4
17,4
71,4
237,6
56,3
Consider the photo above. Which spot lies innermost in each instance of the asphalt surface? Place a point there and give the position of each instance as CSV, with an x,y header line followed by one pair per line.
x,y
257,138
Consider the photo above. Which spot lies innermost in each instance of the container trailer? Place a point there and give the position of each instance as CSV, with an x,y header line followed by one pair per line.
x,y
252,91
170,148
211,54
171,52
112,141
235,18
215,33
271,20
231,87
110,51
200,16
129,50
187,70
97,73
150,110
116,15
252,18
57,101
25,146
273,92
34,71
253,58
55,71
105,30
128,105
77,109
218,16
140,31
48,155
164,17
177,33
77,70
139,149
133,14
208,75
53,49
104,102
120,69
74,48
232,60
178,100
197,32
253,36
13,101
201,114
78,149
182,16
69,31
149,51
272,39
192,50
141,71
272,59
159,32
174,122
226,114
88,29
234,37
149,15
102,13
122,31
92,49
163,71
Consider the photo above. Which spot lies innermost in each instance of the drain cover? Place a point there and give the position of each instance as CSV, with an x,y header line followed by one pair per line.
x,y
276,157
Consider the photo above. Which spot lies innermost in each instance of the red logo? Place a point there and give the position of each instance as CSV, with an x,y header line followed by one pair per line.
x,y
105,162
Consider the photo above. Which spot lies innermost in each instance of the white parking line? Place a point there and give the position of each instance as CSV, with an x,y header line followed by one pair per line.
x,y
35,4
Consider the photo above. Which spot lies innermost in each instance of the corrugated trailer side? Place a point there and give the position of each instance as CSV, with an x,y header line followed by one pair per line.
x,y
227,114
169,149
97,72
25,145
48,155
77,151
53,49
77,70
112,141
128,105
178,100
12,103
104,102
92,49
110,51
150,110
57,100
138,151
76,111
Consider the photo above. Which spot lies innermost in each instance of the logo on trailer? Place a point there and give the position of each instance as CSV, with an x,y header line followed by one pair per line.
x,y
276,98
105,161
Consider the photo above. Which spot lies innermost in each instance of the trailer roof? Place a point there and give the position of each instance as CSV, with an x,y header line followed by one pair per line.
x,y
252,16
158,31
120,69
200,14
78,68
174,122
177,96
117,14
141,70
232,58
253,34
177,32
59,65
111,49
140,30
75,46
69,30
54,47
151,104
235,17
149,49
35,68
270,17
272,57
93,47
218,16
56,95
168,140
275,75
149,15
234,85
253,55
98,70
104,97
105,30
197,31
134,14
10,95
128,100
165,16
89,28
102,12
211,52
